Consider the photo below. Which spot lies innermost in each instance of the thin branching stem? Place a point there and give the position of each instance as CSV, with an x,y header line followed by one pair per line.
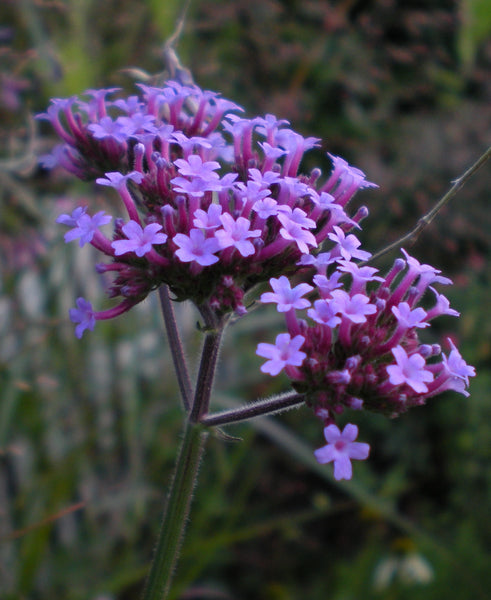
x,y
259,408
206,374
176,348
426,219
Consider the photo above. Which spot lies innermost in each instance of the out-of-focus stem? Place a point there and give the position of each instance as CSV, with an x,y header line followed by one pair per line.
x,y
425,220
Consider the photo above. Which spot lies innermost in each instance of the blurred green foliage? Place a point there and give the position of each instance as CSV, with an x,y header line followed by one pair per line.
x,y
475,28
89,429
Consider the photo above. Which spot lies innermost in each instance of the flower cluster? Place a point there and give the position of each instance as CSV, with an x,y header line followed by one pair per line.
x,y
214,202
358,346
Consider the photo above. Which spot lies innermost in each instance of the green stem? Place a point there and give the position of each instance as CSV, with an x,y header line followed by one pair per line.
x,y
176,513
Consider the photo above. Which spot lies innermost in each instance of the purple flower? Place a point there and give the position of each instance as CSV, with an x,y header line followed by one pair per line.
x,y
271,152
236,233
268,207
325,312
326,202
189,144
270,124
442,307
291,141
409,318
130,105
409,370
265,180
341,448
195,188
346,180
55,158
293,188
84,226
137,122
195,167
294,231
285,351
347,246
71,220
297,216
83,315
285,296
213,194
118,180
360,275
107,128
456,366
355,308
209,219
226,182
252,191
140,241
320,262
196,247
428,273
327,284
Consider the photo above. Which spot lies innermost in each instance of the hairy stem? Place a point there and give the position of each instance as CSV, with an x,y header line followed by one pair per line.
x,y
206,375
255,409
176,347
214,327
175,513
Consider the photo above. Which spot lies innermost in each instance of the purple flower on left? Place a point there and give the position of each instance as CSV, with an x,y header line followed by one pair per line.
x,y
140,241
83,315
83,225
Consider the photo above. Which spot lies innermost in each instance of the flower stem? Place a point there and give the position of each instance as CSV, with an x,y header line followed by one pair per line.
x,y
206,375
208,364
176,347
176,513
268,406
426,219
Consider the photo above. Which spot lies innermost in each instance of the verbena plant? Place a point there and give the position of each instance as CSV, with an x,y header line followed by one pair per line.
x,y
214,210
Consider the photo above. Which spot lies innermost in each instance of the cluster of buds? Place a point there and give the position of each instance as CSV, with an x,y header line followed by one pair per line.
x,y
214,205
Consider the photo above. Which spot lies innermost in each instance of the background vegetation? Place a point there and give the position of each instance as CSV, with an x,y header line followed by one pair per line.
x,y
88,429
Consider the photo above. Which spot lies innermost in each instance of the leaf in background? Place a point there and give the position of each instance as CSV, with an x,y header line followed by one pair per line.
x,y
475,28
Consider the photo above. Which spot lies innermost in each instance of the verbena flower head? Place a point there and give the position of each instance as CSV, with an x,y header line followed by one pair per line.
x,y
360,339
212,203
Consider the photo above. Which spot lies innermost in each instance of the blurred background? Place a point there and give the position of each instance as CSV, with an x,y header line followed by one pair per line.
x,y
89,429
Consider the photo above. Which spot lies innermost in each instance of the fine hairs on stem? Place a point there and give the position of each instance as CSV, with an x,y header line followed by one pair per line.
x,y
204,385
175,517
269,406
